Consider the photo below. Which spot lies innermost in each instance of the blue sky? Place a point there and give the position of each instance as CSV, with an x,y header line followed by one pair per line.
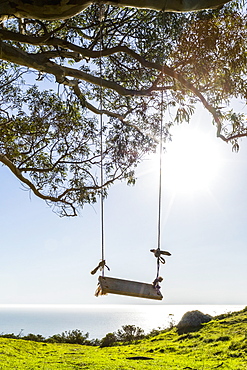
x,y
47,260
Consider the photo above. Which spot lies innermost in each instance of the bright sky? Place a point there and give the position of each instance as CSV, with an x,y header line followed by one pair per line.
x,y
47,259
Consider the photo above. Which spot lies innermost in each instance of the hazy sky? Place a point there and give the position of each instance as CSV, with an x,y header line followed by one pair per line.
x,y
47,259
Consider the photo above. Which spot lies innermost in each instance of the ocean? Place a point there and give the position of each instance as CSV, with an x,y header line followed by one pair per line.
x,y
97,320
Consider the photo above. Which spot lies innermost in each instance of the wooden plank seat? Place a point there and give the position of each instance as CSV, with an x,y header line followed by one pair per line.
x,y
127,287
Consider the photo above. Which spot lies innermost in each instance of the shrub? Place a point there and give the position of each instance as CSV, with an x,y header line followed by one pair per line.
x,y
129,333
72,337
34,337
10,336
109,340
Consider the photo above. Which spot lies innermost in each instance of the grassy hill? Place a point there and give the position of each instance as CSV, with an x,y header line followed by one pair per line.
x,y
219,344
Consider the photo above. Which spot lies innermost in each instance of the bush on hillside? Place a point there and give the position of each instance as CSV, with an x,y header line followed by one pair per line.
x,y
129,333
34,337
109,340
71,336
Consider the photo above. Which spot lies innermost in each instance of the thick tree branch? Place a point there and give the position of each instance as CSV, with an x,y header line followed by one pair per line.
x,y
42,63
45,9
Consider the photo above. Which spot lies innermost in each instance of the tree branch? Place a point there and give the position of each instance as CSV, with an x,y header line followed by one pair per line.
x,y
42,63
108,113
39,9
24,180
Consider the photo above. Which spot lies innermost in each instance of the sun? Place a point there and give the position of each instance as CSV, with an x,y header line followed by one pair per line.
x,y
192,160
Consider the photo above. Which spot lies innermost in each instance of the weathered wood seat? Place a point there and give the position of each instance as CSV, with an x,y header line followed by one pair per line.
x,y
127,287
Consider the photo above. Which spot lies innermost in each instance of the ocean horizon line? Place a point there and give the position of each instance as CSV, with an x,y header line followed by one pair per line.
x,y
106,305
97,319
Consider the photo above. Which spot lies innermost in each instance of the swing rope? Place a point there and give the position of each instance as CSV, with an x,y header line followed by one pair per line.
x,y
160,182
158,252
102,264
101,149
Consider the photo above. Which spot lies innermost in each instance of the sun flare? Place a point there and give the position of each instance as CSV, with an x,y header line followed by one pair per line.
x,y
192,161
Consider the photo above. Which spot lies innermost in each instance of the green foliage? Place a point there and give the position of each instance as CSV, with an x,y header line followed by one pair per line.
x,y
50,139
72,337
12,336
109,340
34,337
129,333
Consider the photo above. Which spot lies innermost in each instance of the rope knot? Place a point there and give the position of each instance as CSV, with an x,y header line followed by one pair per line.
x,y
157,253
156,285
100,267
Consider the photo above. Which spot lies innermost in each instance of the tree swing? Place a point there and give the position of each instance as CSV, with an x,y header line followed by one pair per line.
x,y
115,285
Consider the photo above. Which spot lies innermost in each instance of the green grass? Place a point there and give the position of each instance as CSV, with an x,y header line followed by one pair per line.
x,y
219,344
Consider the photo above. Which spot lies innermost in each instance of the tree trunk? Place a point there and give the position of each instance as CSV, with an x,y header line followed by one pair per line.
x,y
61,9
